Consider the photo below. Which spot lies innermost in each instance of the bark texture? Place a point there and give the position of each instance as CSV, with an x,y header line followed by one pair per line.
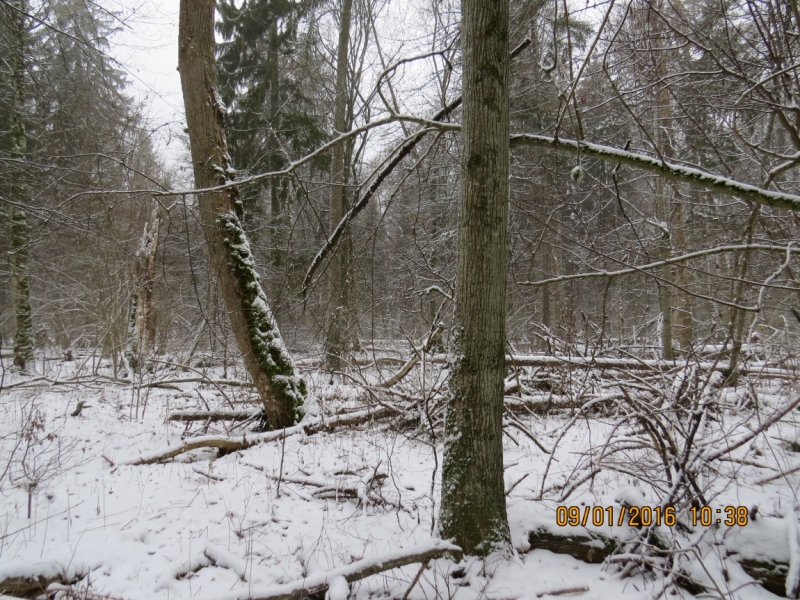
x,y
473,509
253,324
339,325
20,234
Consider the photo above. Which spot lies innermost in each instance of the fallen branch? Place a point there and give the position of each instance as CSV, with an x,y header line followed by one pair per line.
x,y
224,444
228,444
406,368
563,591
628,364
214,382
314,585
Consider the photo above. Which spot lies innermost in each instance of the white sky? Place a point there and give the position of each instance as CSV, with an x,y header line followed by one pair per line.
x,y
147,49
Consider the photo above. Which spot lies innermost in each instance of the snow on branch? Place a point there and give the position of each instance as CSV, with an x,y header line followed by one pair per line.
x,y
662,263
717,183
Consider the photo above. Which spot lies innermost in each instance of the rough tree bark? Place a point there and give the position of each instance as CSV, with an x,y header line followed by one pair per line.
x,y
20,234
336,336
473,509
253,324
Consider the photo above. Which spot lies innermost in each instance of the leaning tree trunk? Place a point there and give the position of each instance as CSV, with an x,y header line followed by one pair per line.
x,y
339,324
253,324
142,315
20,234
473,509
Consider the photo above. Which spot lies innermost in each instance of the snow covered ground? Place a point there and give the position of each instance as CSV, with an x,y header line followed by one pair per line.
x,y
234,526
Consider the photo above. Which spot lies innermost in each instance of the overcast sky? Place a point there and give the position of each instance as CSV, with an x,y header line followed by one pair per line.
x,y
147,48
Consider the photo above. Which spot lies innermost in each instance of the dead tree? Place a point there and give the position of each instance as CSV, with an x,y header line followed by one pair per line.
x,y
142,315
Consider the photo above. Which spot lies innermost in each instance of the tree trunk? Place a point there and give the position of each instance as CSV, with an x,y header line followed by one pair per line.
x,y
663,216
738,316
682,324
20,234
142,315
473,508
23,338
273,149
253,324
339,324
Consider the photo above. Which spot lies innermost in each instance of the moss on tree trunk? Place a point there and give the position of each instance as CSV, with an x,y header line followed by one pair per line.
x,y
254,326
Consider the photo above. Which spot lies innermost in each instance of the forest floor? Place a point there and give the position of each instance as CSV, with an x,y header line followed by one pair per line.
x,y
235,526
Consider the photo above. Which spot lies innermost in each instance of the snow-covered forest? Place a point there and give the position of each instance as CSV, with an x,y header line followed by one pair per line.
x,y
461,299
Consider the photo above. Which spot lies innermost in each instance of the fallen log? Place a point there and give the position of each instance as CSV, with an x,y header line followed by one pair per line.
x,y
771,575
629,364
227,444
317,584
213,415
593,550
32,587
206,380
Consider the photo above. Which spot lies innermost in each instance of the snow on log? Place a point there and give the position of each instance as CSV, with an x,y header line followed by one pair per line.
x,y
546,360
319,583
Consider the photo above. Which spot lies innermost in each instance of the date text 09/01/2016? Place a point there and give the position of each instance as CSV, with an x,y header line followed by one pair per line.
x,y
645,516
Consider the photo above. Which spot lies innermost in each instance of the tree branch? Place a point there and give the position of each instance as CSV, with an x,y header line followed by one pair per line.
x,y
661,263
710,181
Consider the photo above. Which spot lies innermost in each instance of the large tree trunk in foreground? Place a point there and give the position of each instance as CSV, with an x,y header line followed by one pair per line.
x,y
339,324
254,326
473,510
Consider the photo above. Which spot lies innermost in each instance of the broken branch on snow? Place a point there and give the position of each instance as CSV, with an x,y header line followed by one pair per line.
x,y
318,583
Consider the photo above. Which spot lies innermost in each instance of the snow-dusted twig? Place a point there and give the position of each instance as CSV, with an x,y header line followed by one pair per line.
x,y
711,181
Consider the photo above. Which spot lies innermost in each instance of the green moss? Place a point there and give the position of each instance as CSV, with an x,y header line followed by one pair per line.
x,y
265,338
